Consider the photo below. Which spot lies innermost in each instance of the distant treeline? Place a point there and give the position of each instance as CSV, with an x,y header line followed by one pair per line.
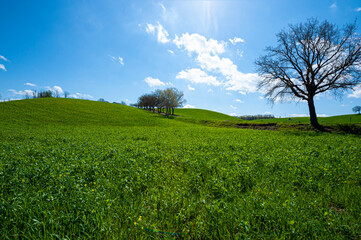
x,y
255,117
44,94
161,100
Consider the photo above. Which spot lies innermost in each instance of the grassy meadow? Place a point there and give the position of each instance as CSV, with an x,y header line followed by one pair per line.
x,y
76,169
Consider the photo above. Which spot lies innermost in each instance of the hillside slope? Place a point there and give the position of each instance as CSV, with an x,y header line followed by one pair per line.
x,y
75,112
201,114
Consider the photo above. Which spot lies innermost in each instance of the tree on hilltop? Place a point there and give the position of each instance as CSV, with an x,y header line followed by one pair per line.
x,y
357,109
167,99
311,58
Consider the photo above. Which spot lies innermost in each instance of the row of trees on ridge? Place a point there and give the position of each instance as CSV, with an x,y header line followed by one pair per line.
x,y
161,100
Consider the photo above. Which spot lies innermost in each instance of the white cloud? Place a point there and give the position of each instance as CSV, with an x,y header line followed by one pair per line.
x,y
2,67
189,106
117,59
191,88
80,96
322,115
210,90
199,44
154,82
170,51
267,112
56,90
236,40
207,56
356,92
162,34
22,93
261,97
233,114
334,5
150,28
207,53
3,58
358,9
196,75
121,61
30,84
233,107
239,101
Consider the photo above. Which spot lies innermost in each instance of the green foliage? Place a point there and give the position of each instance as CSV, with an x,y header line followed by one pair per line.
x,y
104,174
45,94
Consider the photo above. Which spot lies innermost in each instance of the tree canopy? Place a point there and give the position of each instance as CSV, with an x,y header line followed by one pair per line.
x,y
167,99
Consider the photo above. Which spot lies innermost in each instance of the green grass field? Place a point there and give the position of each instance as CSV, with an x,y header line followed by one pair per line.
x,y
201,114
352,118
74,169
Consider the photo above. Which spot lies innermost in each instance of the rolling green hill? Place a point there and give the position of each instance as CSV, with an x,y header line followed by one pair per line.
x,y
74,112
201,114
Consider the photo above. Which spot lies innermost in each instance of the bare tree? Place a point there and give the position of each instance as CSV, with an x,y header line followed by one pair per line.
x,y
167,99
311,58
356,109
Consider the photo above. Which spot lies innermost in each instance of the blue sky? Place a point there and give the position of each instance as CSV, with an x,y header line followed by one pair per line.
x,y
118,50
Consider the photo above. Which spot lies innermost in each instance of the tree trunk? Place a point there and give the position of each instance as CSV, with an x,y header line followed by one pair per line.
x,y
313,116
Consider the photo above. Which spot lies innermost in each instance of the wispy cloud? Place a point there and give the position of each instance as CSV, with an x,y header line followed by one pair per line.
x,y
3,58
2,67
80,96
162,34
191,88
334,5
154,82
30,84
170,51
117,59
163,8
233,107
236,40
22,93
239,101
358,9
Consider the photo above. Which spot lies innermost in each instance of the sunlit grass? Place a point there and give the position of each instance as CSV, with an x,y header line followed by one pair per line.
x,y
75,179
